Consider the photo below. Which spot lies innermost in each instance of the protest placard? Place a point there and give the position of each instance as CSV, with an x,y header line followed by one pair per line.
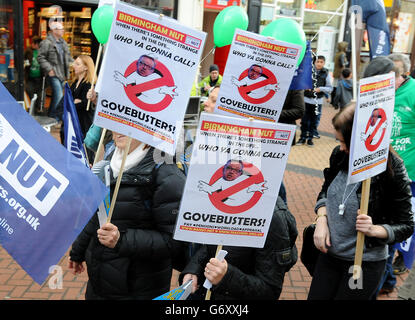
x,y
149,66
233,182
257,76
39,183
372,127
369,144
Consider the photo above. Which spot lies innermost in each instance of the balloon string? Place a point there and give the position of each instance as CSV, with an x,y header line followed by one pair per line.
x,y
212,50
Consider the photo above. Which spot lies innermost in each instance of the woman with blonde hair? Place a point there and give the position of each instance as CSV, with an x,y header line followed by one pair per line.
x,y
80,83
83,75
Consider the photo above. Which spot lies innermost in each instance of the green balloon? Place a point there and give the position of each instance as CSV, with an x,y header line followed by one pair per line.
x,y
287,30
101,23
226,22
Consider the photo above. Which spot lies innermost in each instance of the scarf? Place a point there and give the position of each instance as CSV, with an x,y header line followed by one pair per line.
x,y
131,161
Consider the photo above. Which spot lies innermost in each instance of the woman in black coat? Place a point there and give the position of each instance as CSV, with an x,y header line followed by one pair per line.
x,y
247,273
389,220
131,257
83,74
84,70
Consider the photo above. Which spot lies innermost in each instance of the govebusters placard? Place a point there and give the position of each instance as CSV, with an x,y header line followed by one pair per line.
x,y
232,186
150,65
372,127
257,77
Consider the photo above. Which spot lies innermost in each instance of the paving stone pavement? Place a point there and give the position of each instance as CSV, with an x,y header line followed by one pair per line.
x,y
303,179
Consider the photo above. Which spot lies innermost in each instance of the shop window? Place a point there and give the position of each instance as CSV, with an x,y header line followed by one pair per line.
x,y
166,7
312,23
323,5
8,45
274,9
403,28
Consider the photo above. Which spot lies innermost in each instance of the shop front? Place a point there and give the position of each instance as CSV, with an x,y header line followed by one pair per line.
x,y
21,20
323,21
401,16
11,47
325,24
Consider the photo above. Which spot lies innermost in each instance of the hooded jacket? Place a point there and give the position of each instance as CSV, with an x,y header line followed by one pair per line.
x,y
344,93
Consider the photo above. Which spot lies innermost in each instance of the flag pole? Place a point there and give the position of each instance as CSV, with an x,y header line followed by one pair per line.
x,y
354,63
94,75
117,185
100,145
86,154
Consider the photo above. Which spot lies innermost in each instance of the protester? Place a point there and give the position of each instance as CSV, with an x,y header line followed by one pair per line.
x,y
209,104
213,79
33,74
407,289
54,59
247,273
344,90
389,220
83,75
403,141
262,277
400,137
313,99
292,110
84,71
132,256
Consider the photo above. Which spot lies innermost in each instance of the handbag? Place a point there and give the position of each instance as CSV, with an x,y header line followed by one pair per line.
x,y
309,252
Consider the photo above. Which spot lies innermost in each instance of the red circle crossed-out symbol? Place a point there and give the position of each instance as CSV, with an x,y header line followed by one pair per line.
x,y
218,198
377,113
245,90
132,91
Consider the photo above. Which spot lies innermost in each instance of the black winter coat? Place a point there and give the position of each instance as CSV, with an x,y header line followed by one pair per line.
x,y
293,108
321,76
140,265
86,118
253,273
389,200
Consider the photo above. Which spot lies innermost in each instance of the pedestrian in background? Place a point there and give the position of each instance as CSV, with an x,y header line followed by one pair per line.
x,y
344,90
33,74
54,59
313,99
213,79
340,61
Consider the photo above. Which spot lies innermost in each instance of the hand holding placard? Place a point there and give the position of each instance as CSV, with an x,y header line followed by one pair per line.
x,y
220,255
